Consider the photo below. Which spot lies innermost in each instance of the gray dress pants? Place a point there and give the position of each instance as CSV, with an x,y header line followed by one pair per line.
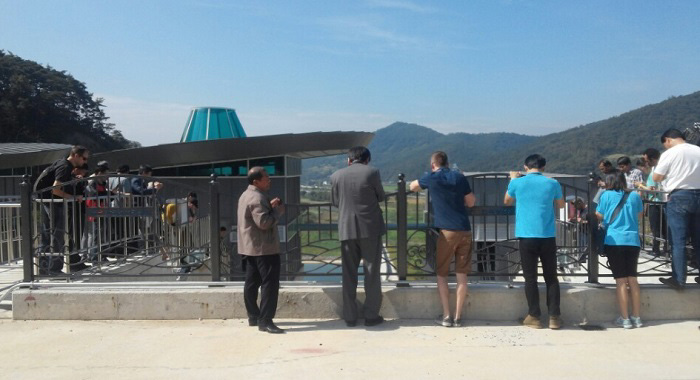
x,y
370,250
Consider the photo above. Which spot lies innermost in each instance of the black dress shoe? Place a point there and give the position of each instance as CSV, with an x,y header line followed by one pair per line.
x,y
351,323
671,282
270,328
374,321
252,321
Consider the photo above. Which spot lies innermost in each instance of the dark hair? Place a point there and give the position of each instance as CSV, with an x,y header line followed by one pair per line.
x,y
100,170
192,194
359,154
615,180
672,133
624,160
652,153
195,203
143,169
79,150
605,163
123,169
639,162
535,161
103,165
84,167
439,158
222,229
256,173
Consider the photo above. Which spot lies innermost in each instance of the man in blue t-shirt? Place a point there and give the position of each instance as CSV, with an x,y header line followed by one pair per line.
x,y
449,194
535,197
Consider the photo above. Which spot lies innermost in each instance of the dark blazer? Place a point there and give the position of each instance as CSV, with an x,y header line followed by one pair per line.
x,y
356,191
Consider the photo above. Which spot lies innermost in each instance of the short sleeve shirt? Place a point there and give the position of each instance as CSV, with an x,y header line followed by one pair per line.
x,y
447,190
534,205
681,166
58,171
624,230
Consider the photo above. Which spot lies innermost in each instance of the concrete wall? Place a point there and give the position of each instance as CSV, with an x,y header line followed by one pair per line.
x,y
486,302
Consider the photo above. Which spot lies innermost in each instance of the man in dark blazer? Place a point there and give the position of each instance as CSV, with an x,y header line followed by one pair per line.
x,y
357,191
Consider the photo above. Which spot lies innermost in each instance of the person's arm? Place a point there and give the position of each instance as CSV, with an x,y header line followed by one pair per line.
x,y
560,203
335,196
508,200
414,186
264,216
658,177
599,216
469,200
377,184
58,191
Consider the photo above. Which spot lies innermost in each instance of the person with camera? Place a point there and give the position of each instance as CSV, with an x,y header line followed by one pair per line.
x,y
632,174
679,169
536,199
655,209
620,210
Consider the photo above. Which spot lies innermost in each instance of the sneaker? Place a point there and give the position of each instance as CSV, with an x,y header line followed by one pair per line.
x,y
671,282
697,279
624,323
446,321
636,321
457,322
555,322
532,322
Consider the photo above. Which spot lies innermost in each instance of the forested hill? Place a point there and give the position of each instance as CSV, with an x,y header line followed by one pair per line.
x,y
41,104
405,148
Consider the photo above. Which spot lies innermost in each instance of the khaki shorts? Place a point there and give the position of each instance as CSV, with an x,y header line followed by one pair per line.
x,y
457,244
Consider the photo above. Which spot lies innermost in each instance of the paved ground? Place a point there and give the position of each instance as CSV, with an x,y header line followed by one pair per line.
x,y
405,349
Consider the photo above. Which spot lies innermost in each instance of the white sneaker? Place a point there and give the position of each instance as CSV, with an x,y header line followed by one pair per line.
x,y
636,321
624,323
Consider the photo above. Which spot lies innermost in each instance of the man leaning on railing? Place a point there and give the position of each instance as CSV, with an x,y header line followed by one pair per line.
x,y
52,198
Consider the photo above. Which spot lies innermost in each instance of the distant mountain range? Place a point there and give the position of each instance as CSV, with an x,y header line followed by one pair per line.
x,y
405,148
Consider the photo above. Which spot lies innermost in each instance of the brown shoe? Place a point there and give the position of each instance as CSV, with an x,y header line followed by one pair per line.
x,y
555,322
532,322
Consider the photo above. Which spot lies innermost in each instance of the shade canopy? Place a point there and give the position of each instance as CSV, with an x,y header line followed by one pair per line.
x,y
209,123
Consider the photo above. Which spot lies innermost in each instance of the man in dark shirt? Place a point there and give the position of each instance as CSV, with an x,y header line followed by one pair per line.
x,y
449,194
53,196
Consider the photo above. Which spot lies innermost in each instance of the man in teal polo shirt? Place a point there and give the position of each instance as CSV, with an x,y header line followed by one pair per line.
x,y
536,199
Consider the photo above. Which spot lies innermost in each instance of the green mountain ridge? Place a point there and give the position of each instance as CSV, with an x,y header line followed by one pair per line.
x,y
405,148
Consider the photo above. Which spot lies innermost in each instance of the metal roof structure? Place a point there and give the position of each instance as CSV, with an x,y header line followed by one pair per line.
x,y
17,155
211,123
302,145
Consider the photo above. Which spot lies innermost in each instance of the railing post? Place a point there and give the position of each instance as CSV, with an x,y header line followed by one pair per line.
x,y
26,228
592,237
214,226
402,231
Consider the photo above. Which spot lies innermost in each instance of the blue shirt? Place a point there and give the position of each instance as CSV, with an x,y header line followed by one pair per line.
x,y
624,229
534,205
447,190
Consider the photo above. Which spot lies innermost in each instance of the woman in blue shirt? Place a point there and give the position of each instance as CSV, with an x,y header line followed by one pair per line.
x,y
621,244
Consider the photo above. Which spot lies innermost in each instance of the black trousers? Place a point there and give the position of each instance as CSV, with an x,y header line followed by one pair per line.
x,y
544,249
657,222
261,272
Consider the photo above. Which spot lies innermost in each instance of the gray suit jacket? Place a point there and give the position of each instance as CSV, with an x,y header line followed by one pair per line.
x,y
356,191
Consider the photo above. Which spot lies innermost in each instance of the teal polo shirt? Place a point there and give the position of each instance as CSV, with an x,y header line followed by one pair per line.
x,y
534,205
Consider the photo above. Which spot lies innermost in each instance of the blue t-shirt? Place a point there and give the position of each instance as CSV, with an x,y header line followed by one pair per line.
x,y
447,190
534,205
624,229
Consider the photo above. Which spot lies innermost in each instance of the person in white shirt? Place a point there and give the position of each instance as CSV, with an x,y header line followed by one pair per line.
x,y
679,169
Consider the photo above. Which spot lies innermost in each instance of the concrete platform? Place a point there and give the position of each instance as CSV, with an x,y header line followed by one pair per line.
x,y
323,349
178,301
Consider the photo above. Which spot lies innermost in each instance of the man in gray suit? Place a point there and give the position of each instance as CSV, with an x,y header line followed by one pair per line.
x,y
357,191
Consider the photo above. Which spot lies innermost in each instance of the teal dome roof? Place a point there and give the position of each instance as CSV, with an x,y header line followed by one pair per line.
x,y
208,123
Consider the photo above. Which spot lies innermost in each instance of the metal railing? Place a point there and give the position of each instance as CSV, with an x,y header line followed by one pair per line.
x,y
10,238
119,235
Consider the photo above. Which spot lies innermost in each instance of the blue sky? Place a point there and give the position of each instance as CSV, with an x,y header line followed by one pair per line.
x,y
530,67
